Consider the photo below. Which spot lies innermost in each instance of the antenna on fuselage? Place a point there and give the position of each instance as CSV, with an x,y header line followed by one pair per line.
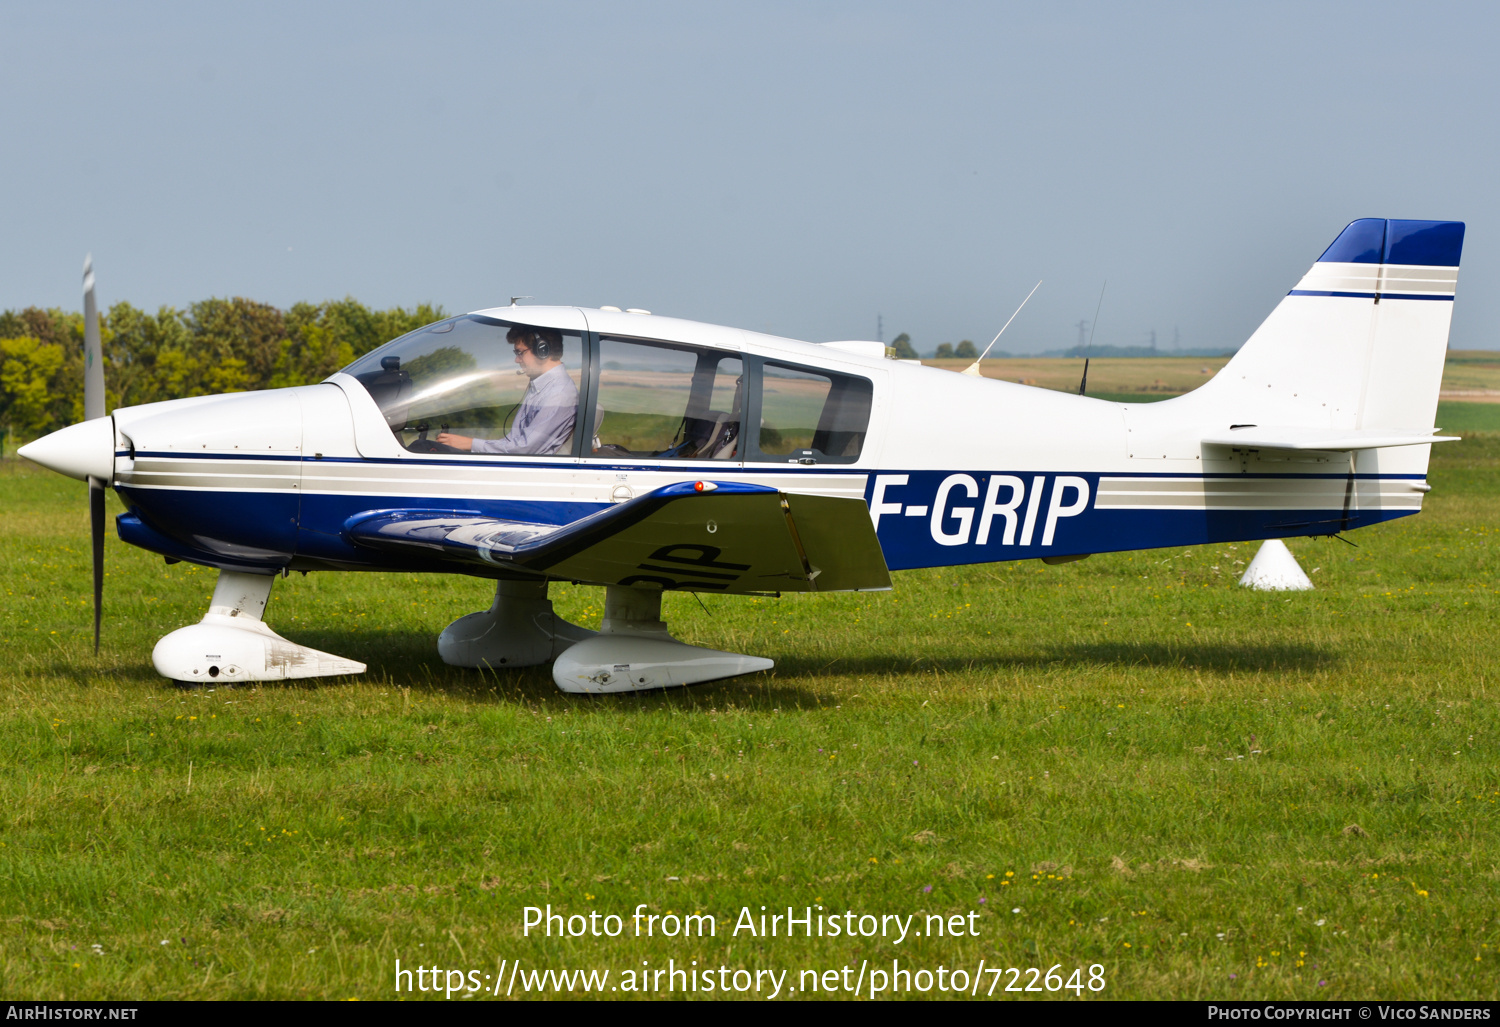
x,y
516,299
973,369
1095,324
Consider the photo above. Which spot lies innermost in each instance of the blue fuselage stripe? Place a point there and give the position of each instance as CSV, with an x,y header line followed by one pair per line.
x,y
927,519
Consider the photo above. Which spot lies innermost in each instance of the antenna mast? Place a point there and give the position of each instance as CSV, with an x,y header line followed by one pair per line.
x,y
973,369
1084,383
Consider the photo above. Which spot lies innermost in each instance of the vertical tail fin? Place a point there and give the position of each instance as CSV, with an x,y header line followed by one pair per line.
x,y
1360,342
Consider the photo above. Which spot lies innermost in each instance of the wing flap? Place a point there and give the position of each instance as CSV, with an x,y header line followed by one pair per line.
x,y
723,537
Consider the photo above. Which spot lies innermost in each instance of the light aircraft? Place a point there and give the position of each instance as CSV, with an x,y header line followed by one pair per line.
x,y
687,456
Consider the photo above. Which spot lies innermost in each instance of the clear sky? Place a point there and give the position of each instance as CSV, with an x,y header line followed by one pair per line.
x,y
794,168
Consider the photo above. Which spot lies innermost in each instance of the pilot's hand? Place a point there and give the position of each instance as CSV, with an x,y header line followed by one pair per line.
x,y
462,442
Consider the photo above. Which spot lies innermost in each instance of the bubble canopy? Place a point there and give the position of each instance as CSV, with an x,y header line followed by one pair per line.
x,y
474,385
459,375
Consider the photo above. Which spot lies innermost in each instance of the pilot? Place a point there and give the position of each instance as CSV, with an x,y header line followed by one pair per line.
x,y
544,422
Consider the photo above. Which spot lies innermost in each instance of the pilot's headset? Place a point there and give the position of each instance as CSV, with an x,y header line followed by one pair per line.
x,y
542,346
533,341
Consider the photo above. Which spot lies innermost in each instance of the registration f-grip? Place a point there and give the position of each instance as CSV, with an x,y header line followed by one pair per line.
x,y
1011,506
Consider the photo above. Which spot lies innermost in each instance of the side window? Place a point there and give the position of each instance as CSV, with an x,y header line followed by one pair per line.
x,y
478,385
811,416
667,402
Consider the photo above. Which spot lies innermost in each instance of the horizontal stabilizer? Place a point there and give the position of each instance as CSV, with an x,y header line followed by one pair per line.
x,y
1326,440
692,536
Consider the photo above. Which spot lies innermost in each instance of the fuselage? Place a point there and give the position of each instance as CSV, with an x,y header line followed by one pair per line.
x,y
953,469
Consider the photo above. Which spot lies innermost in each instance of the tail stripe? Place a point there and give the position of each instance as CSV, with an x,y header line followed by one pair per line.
x,y
1375,258
1372,295
1381,241
1343,351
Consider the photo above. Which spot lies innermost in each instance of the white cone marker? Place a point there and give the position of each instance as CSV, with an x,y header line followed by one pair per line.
x,y
1275,569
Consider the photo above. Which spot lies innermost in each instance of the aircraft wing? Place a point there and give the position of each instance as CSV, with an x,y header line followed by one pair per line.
x,y
693,536
1327,440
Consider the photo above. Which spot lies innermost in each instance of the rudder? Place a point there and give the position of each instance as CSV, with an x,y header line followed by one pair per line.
x,y
1359,343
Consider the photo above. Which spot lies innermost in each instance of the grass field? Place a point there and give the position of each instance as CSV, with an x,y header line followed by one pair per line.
x,y
1126,761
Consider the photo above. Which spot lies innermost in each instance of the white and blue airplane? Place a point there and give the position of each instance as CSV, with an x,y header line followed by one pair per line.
x,y
531,444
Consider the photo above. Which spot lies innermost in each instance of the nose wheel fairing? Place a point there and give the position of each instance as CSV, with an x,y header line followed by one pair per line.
x,y
233,644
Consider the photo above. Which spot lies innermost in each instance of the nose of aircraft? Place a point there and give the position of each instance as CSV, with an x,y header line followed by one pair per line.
x,y
83,450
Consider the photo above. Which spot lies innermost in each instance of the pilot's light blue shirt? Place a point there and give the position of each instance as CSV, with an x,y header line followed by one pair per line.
x,y
545,421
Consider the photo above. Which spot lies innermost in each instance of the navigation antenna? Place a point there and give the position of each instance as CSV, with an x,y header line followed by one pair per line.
x,y
973,369
1084,384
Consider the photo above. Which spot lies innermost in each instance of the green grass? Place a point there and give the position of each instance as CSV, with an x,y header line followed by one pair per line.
x,y
1161,771
1130,397
1454,416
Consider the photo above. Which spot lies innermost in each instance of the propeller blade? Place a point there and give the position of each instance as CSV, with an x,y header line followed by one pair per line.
x,y
93,407
96,530
93,354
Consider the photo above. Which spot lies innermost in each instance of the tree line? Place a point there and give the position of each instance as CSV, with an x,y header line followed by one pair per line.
x,y
213,346
902,349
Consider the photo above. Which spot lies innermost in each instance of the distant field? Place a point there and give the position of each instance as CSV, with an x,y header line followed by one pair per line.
x,y
1167,376
1474,371
1468,375
1452,416
1127,761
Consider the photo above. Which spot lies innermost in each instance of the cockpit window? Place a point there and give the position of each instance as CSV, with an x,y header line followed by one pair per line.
x,y
478,385
666,401
811,416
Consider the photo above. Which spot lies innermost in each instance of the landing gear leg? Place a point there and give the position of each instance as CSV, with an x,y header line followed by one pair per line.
x,y
519,630
633,652
232,643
